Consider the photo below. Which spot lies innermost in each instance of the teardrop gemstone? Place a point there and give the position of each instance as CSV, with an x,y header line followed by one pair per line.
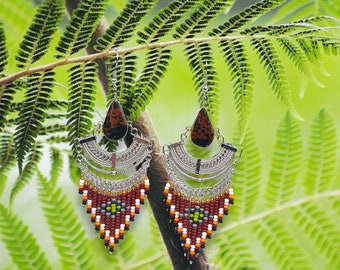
x,y
202,132
115,125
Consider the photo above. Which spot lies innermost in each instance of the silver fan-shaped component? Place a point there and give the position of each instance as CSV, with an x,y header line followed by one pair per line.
x,y
95,162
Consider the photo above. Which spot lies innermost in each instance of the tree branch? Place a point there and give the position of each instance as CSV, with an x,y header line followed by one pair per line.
x,y
157,171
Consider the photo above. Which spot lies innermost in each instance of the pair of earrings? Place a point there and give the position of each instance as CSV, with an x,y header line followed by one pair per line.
x,y
114,184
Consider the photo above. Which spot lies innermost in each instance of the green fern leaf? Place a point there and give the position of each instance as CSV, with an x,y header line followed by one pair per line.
x,y
321,229
242,75
123,27
233,252
32,115
81,96
7,92
20,242
7,158
165,20
275,71
247,178
198,21
56,165
240,20
125,69
201,61
279,243
80,27
7,150
322,165
293,10
156,66
67,231
286,163
37,39
28,171
74,172
3,50
48,130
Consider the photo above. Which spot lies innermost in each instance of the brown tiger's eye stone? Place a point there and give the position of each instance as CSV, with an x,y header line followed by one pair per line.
x,y
202,132
115,125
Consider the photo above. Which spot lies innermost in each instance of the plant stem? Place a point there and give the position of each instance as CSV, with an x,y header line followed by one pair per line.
x,y
93,55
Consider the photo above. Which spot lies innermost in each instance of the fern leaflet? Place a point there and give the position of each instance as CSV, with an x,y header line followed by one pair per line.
x,y
279,242
37,39
233,252
28,171
123,27
198,21
201,63
81,96
242,75
81,26
7,158
33,113
238,21
56,165
322,165
74,172
156,66
3,50
275,72
20,242
67,232
6,96
165,20
286,163
247,179
319,226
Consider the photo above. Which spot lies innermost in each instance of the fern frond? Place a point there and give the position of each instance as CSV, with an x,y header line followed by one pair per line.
x,y
80,27
242,19
322,167
81,96
37,38
233,252
153,71
56,104
32,115
48,130
56,165
242,75
125,69
7,158
275,71
7,150
198,21
293,10
3,50
28,171
322,230
201,61
124,25
7,92
20,242
286,163
164,21
247,178
67,231
279,243
74,172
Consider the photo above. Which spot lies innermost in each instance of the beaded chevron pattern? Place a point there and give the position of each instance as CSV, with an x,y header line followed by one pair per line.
x,y
113,203
196,211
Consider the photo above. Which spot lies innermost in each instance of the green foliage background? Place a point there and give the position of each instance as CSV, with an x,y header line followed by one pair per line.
x,y
287,185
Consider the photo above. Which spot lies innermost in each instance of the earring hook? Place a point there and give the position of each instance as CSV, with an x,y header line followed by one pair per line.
x,y
114,76
205,84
